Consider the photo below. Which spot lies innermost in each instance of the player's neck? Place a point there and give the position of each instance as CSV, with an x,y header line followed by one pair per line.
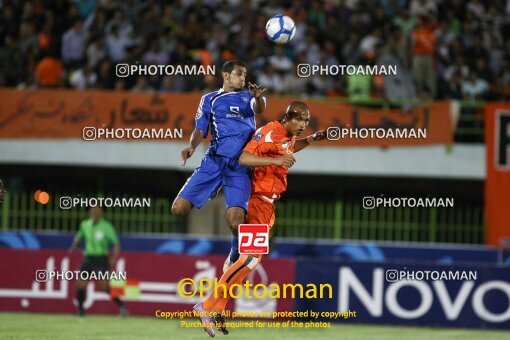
x,y
288,134
227,88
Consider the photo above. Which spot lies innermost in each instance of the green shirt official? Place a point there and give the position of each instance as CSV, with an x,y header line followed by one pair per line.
x,y
97,237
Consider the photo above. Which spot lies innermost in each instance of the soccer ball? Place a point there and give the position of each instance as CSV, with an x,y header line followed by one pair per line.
x,y
280,29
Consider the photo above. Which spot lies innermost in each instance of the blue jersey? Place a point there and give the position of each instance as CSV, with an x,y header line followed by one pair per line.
x,y
230,117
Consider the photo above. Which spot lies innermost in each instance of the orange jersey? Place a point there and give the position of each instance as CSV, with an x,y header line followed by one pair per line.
x,y
424,41
270,141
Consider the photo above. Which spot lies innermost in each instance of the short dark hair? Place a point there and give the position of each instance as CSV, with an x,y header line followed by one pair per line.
x,y
291,112
229,66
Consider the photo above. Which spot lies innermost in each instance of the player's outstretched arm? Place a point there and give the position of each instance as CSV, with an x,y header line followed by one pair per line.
x,y
196,138
304,142
248,159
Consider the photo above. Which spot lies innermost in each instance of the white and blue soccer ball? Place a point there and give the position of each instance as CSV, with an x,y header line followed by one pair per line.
x,y
280,29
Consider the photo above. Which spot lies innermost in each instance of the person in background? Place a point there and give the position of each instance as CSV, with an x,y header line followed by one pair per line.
x,y
424,46
49,71
98,234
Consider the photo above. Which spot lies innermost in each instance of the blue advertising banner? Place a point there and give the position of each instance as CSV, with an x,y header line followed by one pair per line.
x,y
410,294
343,250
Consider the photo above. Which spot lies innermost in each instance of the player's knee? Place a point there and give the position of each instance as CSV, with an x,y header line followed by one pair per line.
x,y
180,207
233,227
235,217
177,210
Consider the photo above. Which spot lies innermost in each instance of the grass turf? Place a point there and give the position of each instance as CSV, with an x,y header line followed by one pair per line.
x,y
64,326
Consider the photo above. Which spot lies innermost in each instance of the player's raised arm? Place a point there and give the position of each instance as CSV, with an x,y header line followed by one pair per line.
x,y
248,159
304,142
256,92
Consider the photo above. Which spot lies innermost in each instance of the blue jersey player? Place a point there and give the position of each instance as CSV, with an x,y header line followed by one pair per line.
x,y
229,115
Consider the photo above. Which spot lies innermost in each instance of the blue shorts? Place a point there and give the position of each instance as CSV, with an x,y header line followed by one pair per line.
x,y
214,172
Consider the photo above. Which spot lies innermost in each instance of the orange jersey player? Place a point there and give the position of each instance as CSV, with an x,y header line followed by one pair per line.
x,y
270,154
264,152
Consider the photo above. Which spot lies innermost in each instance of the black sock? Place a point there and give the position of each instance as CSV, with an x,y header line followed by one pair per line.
x,y
80,296
118,302
115,299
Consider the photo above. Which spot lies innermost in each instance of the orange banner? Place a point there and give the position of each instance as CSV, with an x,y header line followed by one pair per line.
x,y
64,114
497,185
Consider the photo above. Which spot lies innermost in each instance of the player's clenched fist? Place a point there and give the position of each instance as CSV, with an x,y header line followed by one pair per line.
x,y
285,160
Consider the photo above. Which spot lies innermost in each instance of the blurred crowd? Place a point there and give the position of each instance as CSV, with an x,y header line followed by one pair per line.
x,y
442,48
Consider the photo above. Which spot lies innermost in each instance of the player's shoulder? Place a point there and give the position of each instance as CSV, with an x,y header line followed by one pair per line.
x,y
210,95
269,133
107,223
86,222
205,100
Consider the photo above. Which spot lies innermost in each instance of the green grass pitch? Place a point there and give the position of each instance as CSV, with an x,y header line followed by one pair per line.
x,y
64,326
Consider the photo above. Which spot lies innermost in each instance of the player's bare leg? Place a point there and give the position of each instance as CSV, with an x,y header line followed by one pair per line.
x,y
235,217
80,296
105,287
181,206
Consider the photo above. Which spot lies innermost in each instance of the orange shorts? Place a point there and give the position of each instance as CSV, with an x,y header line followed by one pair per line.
x,y
260,211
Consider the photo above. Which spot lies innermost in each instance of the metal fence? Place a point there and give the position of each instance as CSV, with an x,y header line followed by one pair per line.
x,y
21,211
347,219
340,219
